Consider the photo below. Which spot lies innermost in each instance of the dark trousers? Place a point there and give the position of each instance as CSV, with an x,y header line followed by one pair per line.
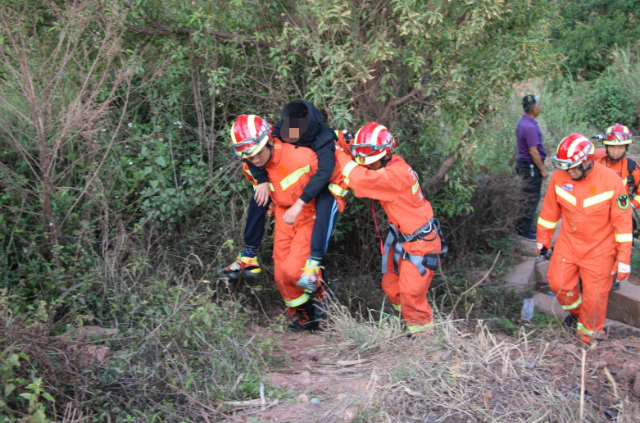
x,y
326,215
532,179
254,226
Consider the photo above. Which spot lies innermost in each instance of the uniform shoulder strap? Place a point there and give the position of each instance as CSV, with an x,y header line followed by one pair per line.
x,y
631,183
631,166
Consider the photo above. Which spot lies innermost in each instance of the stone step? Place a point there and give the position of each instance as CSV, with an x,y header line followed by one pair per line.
x,y
526,248
542,268
522,277
548,305
624,304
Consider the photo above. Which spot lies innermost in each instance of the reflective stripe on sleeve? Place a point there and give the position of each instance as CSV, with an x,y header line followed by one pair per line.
x,y
597,199
584,330
337,190
547,224
624,237
294,177
565,195
415,187
298,301
347,170
574,305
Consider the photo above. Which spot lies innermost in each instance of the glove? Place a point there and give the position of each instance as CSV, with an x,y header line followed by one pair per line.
x,y
623,271
542,249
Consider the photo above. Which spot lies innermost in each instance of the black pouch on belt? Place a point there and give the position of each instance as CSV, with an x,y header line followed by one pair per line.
x,y
430,261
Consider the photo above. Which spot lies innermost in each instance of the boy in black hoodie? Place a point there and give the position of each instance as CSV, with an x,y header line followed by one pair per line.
x,y
302,125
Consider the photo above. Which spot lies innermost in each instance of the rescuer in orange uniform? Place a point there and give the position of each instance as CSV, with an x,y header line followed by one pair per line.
x,y
288,171
616,140
414,241
595,237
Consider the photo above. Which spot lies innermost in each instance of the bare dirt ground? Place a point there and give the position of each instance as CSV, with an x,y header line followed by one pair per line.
x,y
325,381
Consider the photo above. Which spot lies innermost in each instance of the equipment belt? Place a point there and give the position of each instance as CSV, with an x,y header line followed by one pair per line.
x,y
395,239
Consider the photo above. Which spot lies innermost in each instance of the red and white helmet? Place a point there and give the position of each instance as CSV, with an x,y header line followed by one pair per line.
x,y
618,135
371,143
249,134
573,151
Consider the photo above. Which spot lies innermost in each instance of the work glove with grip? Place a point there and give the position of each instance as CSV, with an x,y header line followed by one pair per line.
x,y
623,271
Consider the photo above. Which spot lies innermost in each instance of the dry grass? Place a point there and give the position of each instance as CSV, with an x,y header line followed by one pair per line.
x,y
464,375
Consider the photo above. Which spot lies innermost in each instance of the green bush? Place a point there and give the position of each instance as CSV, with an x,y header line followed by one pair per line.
x,y
609,102
587,32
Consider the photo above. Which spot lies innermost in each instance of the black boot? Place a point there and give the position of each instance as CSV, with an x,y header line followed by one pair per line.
x,y
306,319
323,298
570,322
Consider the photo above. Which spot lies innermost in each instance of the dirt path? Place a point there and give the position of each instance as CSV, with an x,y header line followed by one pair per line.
x,y
323,381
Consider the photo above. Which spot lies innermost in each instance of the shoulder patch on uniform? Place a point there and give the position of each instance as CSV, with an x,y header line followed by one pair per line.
x,y
623,201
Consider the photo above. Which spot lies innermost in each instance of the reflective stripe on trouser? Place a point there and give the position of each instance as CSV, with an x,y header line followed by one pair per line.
x,y
595,272
291,248
408,291
414,329
396,307
574,305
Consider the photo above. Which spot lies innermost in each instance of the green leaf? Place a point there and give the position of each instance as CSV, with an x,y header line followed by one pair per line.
x,y
8,389
39,416
14,360
154,183
161,161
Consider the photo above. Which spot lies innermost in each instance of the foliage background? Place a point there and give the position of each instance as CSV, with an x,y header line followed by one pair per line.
x,y
120,199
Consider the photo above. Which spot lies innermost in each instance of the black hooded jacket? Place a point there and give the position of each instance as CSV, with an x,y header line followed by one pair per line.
x,y
318,136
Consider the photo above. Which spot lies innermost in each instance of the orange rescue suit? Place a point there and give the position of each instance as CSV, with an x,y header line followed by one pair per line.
x,y
622,169
595,233
397,189
288,171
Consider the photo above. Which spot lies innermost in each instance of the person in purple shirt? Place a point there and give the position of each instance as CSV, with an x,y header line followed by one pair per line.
x,y
530,166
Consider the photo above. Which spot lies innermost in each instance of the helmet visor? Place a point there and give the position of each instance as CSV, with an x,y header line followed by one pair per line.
x,y
247,148
618,138
561,164
365,150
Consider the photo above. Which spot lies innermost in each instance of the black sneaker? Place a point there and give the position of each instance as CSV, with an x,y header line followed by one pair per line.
x,y
570,322
615,286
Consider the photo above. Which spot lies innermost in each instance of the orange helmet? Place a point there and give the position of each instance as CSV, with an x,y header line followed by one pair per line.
x,y
371,143
249,134
573,151
618,135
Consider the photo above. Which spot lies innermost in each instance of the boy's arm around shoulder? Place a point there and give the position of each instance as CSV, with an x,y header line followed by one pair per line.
x,y
326,164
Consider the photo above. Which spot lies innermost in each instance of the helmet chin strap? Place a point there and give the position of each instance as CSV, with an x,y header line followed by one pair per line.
x,y
584,170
